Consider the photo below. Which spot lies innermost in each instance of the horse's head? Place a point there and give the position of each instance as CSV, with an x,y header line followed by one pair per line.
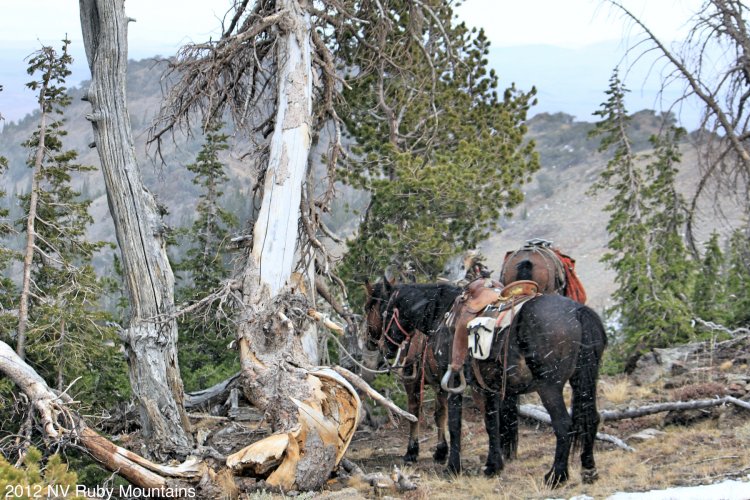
x,y
377,299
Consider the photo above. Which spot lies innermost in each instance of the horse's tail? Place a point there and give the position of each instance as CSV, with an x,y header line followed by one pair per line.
x,y
585,413
524,269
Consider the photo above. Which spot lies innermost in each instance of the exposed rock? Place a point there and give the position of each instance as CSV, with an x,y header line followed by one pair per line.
x,y
659,363
645,435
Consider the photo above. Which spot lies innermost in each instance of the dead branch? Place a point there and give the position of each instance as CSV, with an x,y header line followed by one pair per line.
x,y
59,420
354,360
721,328
698,404
326,321
540,414
360,384
215,394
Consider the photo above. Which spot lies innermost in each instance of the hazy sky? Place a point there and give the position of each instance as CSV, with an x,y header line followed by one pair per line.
x,y
163,25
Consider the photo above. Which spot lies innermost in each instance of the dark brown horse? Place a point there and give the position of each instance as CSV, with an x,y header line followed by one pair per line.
x,y
552,270
552,340
415,311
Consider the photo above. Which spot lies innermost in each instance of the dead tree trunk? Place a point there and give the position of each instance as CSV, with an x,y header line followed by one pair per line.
x,y
277,375
151,333
270,264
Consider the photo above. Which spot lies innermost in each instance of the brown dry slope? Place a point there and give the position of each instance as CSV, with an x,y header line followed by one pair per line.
x,y
685,448
558,206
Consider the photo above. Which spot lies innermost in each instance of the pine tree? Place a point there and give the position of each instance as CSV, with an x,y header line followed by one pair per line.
x,y
203,352
653,272
671,281
709,295
8,291
738,280
65,328
441,168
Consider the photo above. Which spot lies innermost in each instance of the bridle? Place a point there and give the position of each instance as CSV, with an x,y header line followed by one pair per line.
x,y
394,319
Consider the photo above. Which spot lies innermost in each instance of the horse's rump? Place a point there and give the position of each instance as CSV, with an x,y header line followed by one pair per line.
x,y
553,270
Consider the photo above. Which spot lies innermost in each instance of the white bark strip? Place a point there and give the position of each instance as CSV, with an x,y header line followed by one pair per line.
x,y
154,373
275,232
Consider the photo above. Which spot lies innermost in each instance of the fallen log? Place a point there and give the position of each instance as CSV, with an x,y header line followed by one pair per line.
x,y
651,409
540,414
58,420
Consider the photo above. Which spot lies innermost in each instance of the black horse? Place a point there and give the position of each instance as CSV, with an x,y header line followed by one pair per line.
x,y
415,311
551,341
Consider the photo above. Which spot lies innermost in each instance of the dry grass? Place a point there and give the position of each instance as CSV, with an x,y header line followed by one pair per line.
x,y
620,390
705,452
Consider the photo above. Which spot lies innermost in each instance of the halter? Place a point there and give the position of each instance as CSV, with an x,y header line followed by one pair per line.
x,y
394,319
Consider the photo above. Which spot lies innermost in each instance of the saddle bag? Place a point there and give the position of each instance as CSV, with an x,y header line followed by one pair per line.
x,y
481,335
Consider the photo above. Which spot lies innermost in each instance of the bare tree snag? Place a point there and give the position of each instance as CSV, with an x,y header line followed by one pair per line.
x,y
149,338
313,413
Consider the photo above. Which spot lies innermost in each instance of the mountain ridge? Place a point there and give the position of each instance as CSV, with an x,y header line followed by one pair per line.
x,y
556,207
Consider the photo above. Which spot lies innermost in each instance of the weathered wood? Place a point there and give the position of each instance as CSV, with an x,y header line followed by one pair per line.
x,y
151,333
672,406
216,394
326,321
52,408
540,414
360,384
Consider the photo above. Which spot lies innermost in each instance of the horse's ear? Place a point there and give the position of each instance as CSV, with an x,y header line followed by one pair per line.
x,y
368,287
388,284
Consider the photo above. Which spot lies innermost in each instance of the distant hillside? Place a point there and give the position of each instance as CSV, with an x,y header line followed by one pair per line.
x,y
170,183
556,207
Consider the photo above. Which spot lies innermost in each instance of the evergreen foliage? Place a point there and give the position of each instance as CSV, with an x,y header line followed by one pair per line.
x,y
8,293
646,248
710,297
33,480
203,354
451,158
738,280
68,336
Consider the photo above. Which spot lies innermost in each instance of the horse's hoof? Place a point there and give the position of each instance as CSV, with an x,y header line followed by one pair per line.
x,y
441,453
589,476
491,470
453,469
553,480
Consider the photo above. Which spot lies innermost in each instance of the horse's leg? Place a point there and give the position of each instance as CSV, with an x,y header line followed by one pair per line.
x,y
585,424
441,419
552,398
583,381
455,403
494,462
415,408
509,426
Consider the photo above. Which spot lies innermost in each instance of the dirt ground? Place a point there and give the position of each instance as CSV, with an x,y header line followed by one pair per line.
x,y
689,448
